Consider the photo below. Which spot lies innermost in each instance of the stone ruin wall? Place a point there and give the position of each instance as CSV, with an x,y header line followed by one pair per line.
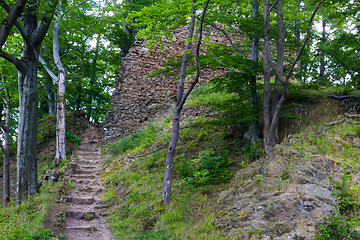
x,y
137,98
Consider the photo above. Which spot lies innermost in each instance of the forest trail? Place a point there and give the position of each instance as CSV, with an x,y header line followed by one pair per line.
x,y
85,216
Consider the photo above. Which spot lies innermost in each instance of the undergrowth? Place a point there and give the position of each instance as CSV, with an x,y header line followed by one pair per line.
x,y
341,224
208,152
36,219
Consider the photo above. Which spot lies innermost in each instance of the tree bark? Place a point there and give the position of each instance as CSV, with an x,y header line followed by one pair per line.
x,y
273,122
27,129
267,75
322,53
61,108
253,134
279,66
5,150
180,100
33,33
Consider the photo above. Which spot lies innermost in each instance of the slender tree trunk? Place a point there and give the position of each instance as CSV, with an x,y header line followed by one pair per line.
x,y
297,36
279,66
322,53
267,75
61,110
50,93
253,134
170,154
6,158
180,100
271,124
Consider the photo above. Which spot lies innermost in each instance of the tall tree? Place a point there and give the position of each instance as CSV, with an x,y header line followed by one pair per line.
x,y
61,104
32,32
271,120
180,100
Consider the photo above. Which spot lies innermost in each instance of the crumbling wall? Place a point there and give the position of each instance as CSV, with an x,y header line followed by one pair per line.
x,y
137,98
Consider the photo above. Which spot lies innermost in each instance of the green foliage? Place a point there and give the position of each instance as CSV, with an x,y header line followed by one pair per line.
x,y
159,235
284,174
345,198
142,137
29,220
258,178
211,166
140,215
340,224
72,137
46,129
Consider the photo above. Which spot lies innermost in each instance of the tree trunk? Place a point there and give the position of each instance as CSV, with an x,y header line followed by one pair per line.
x,y
50,93
61,109
267,75
27,178
322,53
279,66
253,134
170,154
270,124
6,158
297,36
33,32
180,100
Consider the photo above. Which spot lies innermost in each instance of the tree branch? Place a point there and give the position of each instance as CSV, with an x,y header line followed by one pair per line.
x,y
16,62
352,115
340,121
344,96
10,19
304,42
197,53
272,6
44,24
48,70
222,30
18,25
274,68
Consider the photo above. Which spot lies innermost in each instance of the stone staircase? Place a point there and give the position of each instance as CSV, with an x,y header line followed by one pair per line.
x,y
85,216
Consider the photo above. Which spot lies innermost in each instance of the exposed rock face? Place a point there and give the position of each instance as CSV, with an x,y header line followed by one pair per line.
x,y
136,98
289,201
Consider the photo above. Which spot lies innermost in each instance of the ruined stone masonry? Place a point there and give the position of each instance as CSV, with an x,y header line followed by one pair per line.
x,y
138,98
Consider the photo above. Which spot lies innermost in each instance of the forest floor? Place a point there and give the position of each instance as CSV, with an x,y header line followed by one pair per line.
x,y
85,216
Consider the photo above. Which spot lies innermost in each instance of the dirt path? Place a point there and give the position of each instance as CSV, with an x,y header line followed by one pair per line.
x,y
85,216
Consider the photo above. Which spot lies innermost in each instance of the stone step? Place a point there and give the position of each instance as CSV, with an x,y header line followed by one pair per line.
x,y
80,200
81,228
89,162
85,171
93,182
79,166
80,215
90,189
88,156
87,153
82,176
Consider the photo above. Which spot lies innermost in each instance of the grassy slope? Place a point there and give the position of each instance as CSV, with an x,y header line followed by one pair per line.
x,y
134,172
207,156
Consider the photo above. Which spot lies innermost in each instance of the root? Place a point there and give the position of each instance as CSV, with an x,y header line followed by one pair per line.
x,y
343,96
340,121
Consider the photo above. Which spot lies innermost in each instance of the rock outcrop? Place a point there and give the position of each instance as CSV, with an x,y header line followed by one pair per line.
x,y
283,196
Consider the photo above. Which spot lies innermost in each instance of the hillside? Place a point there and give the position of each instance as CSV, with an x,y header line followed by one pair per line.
x,y
225,187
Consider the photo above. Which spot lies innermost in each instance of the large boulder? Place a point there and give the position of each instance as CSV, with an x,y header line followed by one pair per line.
x,y
283,196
